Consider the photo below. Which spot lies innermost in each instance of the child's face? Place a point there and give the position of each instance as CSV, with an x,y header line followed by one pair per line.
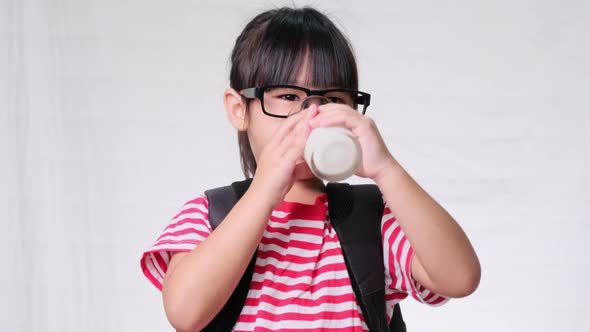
x,y
262,128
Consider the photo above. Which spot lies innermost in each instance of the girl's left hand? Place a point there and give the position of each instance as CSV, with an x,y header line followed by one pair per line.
x,y
376,157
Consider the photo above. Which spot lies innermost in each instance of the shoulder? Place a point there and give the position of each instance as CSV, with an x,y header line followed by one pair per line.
x,y
184,231
199,203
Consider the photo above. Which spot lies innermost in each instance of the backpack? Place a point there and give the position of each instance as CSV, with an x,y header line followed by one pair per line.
x,y
355,212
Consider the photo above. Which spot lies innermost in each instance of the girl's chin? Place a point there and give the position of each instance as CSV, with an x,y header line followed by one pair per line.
x,y
303,172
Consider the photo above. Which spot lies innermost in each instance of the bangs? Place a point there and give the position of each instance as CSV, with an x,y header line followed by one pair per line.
x,y
272,49
289,40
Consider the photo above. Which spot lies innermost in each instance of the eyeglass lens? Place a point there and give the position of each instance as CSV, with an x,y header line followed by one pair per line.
x,y
307,102
287,101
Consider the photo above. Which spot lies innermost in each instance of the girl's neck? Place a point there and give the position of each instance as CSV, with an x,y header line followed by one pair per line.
x,y
305,191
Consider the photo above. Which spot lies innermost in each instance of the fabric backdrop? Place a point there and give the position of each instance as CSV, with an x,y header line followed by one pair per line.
x,y
111,117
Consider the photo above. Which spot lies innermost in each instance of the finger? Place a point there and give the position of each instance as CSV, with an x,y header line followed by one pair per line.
x,y
333,108
292,122
287,134
312,112
285,142
338,118
286,126
301,125
293,154
294,150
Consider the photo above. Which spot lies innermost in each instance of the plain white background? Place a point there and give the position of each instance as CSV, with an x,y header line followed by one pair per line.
x,y
111,117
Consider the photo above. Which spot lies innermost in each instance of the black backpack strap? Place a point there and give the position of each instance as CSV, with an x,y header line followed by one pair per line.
x,y
397,323
356,213
221,200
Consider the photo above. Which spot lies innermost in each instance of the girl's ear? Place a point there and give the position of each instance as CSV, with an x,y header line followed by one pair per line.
x,y
235,109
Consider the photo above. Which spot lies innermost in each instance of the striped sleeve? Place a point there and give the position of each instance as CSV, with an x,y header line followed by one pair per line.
x,y
398,254
184,232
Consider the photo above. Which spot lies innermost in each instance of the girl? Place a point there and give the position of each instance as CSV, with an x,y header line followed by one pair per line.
x,y
300,280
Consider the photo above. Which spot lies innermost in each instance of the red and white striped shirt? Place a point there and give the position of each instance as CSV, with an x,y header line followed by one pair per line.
x,y
300,280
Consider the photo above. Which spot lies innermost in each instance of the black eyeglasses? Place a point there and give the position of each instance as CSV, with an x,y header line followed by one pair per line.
x,y
281,100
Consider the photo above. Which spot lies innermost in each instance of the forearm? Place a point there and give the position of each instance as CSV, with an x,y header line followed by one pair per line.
x,y
450,264
198,286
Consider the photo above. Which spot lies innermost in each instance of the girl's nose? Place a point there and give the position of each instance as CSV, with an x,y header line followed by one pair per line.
x,y
307,102
311,100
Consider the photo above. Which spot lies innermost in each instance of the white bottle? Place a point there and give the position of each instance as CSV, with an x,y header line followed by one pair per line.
x,y
332,153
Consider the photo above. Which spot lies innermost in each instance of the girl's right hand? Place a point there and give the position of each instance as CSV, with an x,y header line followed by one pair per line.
x,y
277,165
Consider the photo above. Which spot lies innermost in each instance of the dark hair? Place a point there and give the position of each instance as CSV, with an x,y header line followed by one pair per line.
x,y
272,47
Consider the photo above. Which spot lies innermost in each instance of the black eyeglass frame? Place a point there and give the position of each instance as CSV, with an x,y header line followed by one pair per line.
x,y
258,92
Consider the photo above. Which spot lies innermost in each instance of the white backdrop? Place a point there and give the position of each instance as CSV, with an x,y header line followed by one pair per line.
x,y
111,118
